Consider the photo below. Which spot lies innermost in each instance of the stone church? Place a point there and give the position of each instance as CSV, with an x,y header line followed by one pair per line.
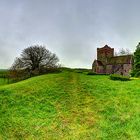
x,y
107,63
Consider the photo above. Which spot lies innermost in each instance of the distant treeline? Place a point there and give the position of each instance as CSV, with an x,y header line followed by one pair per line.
x,y
4,73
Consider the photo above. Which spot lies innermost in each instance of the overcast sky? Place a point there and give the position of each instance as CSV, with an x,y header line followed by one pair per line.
x,y
72,29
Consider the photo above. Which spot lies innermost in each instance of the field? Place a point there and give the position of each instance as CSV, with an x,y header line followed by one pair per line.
x,y
70,106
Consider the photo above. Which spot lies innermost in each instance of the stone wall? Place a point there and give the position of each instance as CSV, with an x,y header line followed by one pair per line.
x,y
127,69
109,69
124,70
100,69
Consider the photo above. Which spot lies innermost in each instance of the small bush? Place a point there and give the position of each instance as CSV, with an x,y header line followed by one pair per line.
x,y
3,73
119,77
22,74
78,71
18,75
49,70
91,73
137,74
66,69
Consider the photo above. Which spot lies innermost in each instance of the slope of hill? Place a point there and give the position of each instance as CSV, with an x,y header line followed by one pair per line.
x,y
70,105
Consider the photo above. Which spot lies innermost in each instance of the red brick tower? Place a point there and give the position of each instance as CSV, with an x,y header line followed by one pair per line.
x,y
103,54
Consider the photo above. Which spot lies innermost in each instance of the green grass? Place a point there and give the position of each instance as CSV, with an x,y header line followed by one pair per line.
x,y
70,106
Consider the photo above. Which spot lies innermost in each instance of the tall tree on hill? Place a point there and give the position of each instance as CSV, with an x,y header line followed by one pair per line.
x,y
136,67
34,58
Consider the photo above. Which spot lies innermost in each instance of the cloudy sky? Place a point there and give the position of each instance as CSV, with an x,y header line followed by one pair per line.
x,y
72,29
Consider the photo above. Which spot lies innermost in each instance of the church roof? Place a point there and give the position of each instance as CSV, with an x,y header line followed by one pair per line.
x,y
106,46
98,62
124,59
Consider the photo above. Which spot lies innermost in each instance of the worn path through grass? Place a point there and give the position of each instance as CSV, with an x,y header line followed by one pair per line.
x,y
75,111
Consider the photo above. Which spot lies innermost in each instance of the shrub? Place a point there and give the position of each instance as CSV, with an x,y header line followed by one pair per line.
x,y
133,73
81,70
18,75
66,69
49,70
119,77
137,74
78,71
3,73
91,73
22,74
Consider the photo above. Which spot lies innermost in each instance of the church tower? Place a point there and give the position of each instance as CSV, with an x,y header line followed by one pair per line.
x,y
103,54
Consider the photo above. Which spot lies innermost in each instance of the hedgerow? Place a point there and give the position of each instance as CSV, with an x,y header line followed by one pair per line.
x,y
119,77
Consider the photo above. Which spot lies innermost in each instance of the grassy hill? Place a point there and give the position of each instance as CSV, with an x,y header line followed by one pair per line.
x,y
70,106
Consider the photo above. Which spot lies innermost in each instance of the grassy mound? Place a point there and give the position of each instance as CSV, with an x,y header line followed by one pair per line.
x,y
70,105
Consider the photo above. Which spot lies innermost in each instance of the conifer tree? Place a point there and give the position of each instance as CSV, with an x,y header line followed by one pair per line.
x,y
136,67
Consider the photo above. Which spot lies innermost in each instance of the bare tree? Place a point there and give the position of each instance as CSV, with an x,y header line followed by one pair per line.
x,y
34,58
123,51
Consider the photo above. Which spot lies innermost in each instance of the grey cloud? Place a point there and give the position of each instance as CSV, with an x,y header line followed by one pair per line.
x,y
73,29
